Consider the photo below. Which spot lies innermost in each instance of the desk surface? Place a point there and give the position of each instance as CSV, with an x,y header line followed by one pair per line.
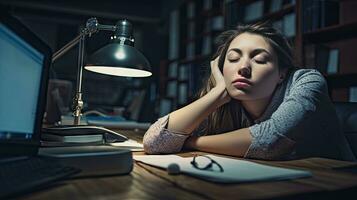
x,y
146,182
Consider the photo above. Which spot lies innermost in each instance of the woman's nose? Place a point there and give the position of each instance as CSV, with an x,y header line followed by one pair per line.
x,y
245,69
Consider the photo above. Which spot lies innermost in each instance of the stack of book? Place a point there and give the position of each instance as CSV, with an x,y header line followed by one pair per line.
x,y
81,134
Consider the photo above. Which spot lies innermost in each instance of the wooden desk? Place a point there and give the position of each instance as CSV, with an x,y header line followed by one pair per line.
x,y
146,182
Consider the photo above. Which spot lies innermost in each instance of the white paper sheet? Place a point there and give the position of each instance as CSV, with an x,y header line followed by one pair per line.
x,y
235,171
132,145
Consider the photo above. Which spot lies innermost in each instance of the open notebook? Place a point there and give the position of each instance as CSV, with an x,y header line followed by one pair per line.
x,y
235,171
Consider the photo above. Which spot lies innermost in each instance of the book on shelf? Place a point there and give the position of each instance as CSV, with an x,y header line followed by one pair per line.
x,y
174,35
182,96
305,16
191,30
286,25
172,70
253,11
207,45
190,10
275,5
198,45
278,24
217,23
315,15
329,13
207,25
289,27
327,59
233,13
321,59
153,91
332,63
171,90
309,55
207,5
352,94
183,73
319,14
190,50
289,2
165,106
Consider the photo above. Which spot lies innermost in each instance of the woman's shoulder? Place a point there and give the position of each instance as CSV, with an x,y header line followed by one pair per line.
x,y
307,76
305,80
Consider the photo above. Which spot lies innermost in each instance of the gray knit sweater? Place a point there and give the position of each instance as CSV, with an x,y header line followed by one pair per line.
x,y
300,121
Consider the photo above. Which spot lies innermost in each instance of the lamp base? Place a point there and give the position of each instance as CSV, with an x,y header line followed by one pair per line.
x,y
92,160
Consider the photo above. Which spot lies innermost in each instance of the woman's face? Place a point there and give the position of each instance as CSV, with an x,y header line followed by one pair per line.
x,y
250,68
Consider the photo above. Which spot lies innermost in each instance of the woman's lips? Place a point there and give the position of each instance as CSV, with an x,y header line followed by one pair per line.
x,y
241,83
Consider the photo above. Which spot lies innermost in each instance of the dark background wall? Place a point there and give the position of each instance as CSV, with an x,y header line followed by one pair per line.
x,y
58,22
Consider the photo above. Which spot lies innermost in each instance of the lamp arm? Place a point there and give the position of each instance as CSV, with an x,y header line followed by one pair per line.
x,y
78,102
102,27
67,47
92,26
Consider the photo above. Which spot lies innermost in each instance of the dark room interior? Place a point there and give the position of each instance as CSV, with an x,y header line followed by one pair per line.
x,y
206,99
59,22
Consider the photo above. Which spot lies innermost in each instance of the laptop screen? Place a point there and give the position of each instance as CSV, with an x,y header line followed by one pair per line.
x,y
20,79
24,62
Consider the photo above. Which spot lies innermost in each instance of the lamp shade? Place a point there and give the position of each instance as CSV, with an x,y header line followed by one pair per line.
x,y
119,60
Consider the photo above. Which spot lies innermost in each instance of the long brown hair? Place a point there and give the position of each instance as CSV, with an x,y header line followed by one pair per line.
x,y
229,117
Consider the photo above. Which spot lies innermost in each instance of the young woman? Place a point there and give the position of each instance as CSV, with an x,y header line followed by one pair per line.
x,y
255,104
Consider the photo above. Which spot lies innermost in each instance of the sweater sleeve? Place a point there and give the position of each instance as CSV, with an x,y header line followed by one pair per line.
x,y
275,137
158,139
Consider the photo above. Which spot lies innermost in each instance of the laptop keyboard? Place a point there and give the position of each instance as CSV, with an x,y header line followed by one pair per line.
x,y
30,173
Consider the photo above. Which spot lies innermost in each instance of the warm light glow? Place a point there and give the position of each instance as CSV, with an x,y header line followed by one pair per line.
x,y
120,54
119,71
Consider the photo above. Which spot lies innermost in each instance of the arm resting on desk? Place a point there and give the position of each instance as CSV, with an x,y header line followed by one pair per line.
x,y
158,139
235,143
245,142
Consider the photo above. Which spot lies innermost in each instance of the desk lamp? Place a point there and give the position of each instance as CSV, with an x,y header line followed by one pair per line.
x,y
118,58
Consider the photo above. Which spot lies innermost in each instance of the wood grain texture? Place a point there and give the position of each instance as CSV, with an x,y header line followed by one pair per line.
x,y
140,184
147,182
324,179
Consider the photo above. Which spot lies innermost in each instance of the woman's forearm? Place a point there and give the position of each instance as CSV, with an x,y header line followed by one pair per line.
x,y
186,119
234,143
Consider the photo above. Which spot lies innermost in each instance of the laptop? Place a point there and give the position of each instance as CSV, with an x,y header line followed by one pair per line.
x,y
24,71
24,68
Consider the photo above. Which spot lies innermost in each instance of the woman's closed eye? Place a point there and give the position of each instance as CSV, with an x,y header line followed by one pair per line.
x,y
233,57
232,60
261,59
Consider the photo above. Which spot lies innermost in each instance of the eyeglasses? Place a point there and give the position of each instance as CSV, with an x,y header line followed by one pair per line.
x,y
203,162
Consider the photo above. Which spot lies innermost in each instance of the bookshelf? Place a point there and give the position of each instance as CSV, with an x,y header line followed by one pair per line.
x,y
322,33
331,40
332,33
193,25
